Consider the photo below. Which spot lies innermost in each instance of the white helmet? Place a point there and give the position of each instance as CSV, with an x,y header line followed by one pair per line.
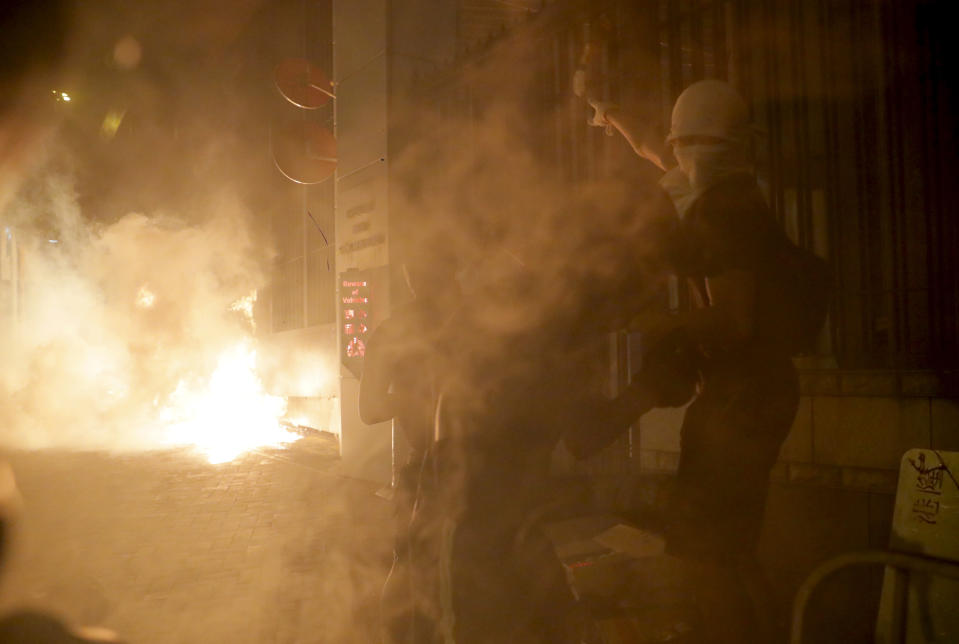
x,y
710,108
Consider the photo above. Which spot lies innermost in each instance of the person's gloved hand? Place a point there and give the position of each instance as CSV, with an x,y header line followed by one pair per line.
x,y
601,111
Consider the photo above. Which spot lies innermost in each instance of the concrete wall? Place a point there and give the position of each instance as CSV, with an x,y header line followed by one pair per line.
x,y
850,431
834,486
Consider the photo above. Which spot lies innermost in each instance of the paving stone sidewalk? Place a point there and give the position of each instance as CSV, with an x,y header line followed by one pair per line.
x,y
165,548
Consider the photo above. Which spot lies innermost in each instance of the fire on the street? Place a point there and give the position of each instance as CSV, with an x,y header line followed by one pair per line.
x,y
228,415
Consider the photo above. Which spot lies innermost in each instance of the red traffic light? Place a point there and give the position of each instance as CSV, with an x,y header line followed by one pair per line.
x,y
304,151
302,83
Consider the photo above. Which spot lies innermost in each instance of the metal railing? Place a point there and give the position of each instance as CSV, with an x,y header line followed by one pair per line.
x,y
898,560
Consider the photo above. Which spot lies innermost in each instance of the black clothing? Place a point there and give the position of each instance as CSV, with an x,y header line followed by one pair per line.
x,y
730,227
513,382
519,372
730,440
457,553
401,365
403,347
732,432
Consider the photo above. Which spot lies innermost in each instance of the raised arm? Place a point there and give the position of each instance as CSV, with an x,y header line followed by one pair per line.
x,y
640,135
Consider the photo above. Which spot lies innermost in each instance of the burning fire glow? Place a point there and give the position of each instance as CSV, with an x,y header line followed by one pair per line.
x,y
245,306
145,298
229,414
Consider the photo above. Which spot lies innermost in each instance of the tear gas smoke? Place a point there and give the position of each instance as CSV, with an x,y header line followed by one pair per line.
x,y
135,334
488,186
129,327
552,262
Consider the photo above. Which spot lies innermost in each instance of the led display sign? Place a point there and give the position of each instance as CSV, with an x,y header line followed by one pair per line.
x,y
354,320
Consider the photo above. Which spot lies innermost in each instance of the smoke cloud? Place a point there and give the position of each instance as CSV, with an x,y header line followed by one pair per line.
x,y
119,312
113,317
552,258
496,182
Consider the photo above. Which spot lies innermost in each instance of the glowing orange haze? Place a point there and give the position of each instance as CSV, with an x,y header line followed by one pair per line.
x,y
231,414
138,334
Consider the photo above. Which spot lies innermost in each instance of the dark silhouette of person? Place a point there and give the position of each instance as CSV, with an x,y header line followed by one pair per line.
x,y
519,375
725,244
399,382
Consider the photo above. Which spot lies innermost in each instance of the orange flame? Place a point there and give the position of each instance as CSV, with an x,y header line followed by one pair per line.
x,y
231,414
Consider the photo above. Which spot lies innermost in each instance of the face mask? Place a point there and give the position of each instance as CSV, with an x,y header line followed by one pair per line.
x,y
681,193
707,165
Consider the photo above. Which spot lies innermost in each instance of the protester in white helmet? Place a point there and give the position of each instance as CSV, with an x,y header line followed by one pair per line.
x,y
724,244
